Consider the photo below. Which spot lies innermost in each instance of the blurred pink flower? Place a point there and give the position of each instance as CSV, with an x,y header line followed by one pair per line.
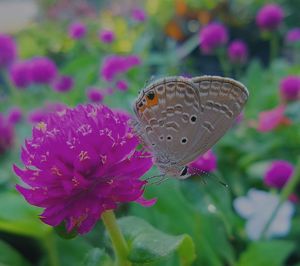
x,y
20,74
77,30
63,84
6,134
270,120
269,17
278,173
122,85
293,35
238,52
15,115
107,36
290,88
204,163
95,95
138,14
80,163
8,50
43,70
212,36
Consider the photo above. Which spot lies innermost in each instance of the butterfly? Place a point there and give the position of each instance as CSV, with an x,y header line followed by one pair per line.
x,y
178,118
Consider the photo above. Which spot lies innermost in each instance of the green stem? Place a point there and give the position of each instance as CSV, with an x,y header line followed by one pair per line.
x,y
223,62
273,46
118,242
285,193
49,244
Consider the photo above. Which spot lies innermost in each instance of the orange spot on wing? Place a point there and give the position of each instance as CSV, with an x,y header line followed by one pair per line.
x,y
149,103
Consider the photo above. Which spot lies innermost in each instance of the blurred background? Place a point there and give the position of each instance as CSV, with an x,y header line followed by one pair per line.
x,y
64,53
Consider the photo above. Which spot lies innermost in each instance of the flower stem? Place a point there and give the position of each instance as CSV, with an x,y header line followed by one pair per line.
x,y
285,193
273,47
118,242
223,62
49,244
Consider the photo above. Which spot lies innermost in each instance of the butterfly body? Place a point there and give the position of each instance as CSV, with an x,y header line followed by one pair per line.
x,y
179,119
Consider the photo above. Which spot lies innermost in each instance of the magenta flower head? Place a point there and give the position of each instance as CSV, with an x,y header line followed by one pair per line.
x,y
269,17
114,65
43,70
122,85
63,84
20,74
293,35
212,36
290,88
138,15
238,52
79,163
8,50
271,119
15,115
77,30
107,36
6,134
95,95
278,173
205,163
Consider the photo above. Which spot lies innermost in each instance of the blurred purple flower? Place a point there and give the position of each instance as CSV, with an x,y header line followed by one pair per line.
x,y
77,30
278,173
95,95
205,163
290,88
40,114
107,36
269,120
15,115
138,14
238,52
8,50
20,74
293,35
63,84
36,115
212,36
6,134
43,70
122,85
115,64
269,17
80,163
258,207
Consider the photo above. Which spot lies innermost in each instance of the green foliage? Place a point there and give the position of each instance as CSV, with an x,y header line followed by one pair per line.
x,y
9,256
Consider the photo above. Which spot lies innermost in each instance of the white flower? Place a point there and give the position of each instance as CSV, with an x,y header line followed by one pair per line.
x,y
258,207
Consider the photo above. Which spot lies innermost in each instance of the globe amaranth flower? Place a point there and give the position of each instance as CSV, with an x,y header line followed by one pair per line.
x,y
63,84
271,119
290,88
8,50
43,70
107,36
212,36
114,65
40,114
15,115
269,17
95,95
122,85
278,173
77,30
237,52
138,15
79,163
293,35
20,74
6,134
204,163
257,208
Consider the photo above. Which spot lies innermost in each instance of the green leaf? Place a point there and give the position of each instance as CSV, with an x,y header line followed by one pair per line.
x,y
266,253
97,257
9,256
148,244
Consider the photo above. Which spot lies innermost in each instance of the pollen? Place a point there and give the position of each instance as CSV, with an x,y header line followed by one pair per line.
x,y
41,126
83,155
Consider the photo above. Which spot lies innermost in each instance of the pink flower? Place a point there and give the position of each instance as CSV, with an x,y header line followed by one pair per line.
x,y
80,163
138,15
114,65
95,95
290,88
205,163
122,85
6,134
20,74
107,36
43,70
15,115
8,50
63,84
269,120
293,35
269,17
278,173
77,30
238,52
212,36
